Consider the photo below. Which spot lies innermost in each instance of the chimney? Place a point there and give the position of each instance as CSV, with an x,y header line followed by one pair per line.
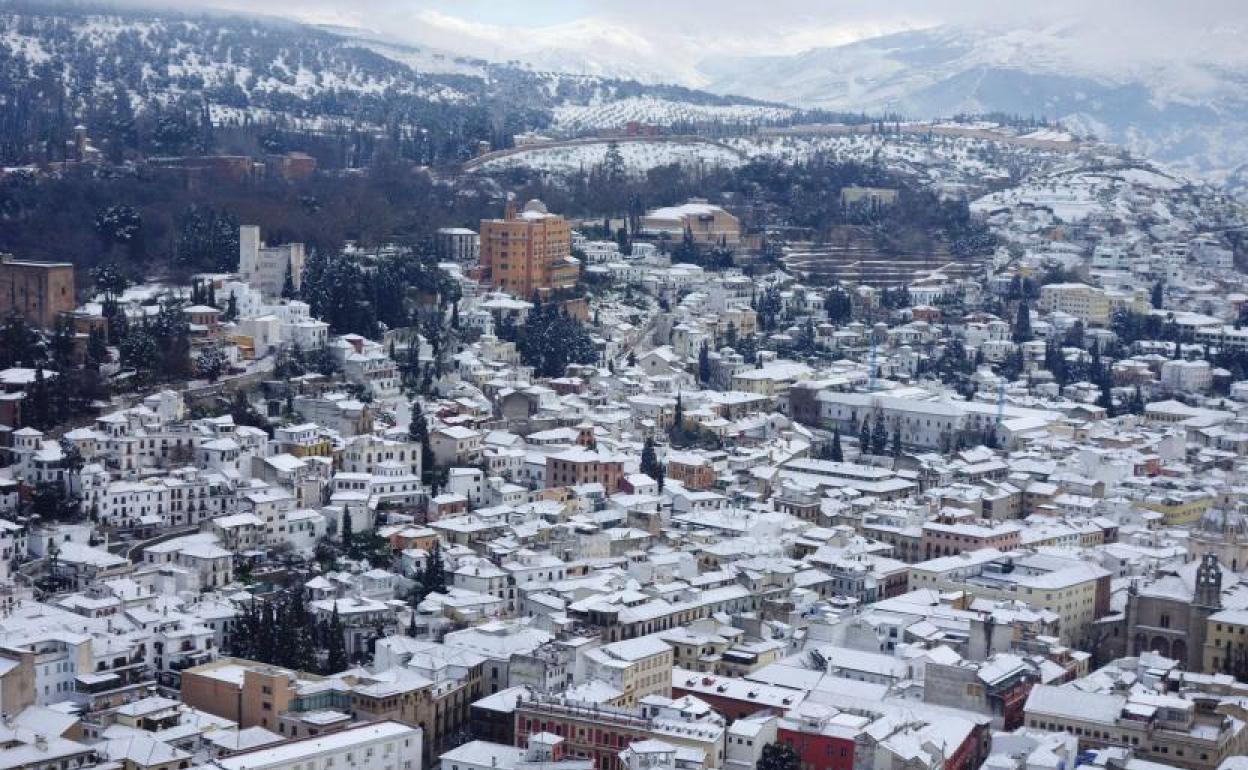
x,y
509,209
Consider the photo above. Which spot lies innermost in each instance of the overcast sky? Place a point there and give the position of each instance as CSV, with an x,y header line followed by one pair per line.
x,y
673,35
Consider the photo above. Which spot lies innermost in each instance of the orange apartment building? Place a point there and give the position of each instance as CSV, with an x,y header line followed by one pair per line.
x,y
528,251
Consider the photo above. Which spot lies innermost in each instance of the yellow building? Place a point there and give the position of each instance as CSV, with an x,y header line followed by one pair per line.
x,y
709,225
743,320
636,667
1178,507
528,251
771,379
1226,637
1077,592
1087,303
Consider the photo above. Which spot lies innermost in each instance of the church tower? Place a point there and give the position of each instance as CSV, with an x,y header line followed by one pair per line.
x,y
1208,584
1206,600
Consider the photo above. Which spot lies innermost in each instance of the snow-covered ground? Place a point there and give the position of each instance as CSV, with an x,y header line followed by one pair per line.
x,y
1074,196
572,118
946,163
639,156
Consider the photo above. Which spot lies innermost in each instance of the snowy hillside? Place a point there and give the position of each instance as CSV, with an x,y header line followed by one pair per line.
x,y
158,82
230,61
573,118
1074,194
639,157
1191,114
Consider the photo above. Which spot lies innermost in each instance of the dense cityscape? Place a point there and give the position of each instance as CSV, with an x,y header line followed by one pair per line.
x,y
361,412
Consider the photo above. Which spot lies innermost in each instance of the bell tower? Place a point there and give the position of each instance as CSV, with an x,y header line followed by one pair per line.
x,y
1208,583
1206,600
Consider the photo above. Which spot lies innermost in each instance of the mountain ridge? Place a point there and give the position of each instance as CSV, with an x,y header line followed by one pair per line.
x,y
1189,114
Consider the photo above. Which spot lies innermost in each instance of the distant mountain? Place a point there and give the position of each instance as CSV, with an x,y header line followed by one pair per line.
x,y
1189,113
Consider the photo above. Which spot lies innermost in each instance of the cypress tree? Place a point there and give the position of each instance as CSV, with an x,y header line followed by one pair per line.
x,y
335,645
1022,323
348,536
266,641
649,460
879,435
303,656
433,578
288,282
838,454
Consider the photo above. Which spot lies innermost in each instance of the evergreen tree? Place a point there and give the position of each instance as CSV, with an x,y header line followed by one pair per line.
x,y
210,364
433,577
623,241
348,536
678,419
418,433
335,645
39,402
704,364
306,657
62,346
231,308
778,756
97,347
1158,295
19,344
806,338
1106,399
897,442
551,340
864,437
288,282
613,168
649,459
879,435
266,639
838,305
1022,324
838,454
687,251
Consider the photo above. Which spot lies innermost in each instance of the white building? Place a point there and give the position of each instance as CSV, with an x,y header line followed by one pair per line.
x,y
364,362
1187,376
385,745
266,267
